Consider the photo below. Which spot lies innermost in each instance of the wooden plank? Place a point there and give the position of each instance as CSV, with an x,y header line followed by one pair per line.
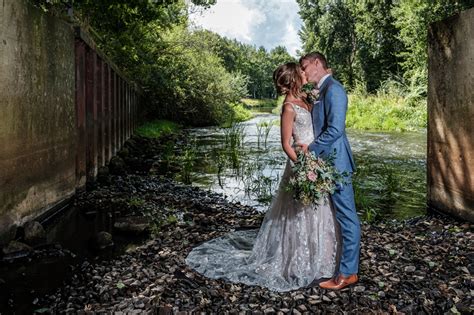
x,y
128,111
100,111
80,103
114,113
107,111
91,116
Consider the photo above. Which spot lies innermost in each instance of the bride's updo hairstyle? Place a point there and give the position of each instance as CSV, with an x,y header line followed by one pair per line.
x,y
287,79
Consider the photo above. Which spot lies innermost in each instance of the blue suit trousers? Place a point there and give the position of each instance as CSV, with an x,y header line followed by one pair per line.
x,y
346,216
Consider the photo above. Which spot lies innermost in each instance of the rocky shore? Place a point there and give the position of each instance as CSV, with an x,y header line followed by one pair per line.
x,y
423,265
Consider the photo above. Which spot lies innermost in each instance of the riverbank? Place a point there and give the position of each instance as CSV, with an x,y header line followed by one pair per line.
x,y
253,103
386,112
380,112
420,265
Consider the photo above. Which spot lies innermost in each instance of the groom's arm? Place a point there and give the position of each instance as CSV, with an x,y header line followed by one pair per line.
x,y
336,102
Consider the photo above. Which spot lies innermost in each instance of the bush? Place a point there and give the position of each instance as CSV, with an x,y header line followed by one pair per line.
x,y
238,113
192,85
157,128
254,103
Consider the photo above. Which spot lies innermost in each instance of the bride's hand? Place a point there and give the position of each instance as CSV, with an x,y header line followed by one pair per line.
x,y
303,147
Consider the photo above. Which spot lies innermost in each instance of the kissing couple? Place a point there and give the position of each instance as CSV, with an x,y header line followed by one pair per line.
x,y
298,245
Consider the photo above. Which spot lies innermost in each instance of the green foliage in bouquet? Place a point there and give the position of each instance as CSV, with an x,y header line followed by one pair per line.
x,y
314,178
312,93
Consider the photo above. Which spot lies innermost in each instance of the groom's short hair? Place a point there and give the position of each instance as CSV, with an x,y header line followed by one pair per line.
x,y
315,55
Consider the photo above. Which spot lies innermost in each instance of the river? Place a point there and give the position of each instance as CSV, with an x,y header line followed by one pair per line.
x,y
390,181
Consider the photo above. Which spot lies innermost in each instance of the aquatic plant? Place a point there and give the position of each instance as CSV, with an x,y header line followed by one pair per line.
x,y
263,131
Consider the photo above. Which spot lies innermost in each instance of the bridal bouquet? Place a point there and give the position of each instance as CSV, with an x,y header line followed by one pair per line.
x,y
312,93
313,178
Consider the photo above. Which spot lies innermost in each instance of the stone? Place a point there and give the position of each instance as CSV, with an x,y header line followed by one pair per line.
x,y
117,166
359,289
104,240
15,246
124,152
132,224
103,175
302,308
8,230
410,269
34,233
299,297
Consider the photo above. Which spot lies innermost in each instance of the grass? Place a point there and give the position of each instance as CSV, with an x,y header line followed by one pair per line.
x,y
157,128
383,112
387,112
396,106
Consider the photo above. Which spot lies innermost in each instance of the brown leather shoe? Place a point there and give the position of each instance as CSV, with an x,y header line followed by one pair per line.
x,y
340,282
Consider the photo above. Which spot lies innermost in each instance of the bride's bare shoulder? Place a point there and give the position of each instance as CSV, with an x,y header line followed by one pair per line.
x,y
288,106
287,112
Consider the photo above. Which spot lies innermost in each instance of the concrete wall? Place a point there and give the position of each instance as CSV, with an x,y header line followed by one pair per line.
x,y
451,116
37,113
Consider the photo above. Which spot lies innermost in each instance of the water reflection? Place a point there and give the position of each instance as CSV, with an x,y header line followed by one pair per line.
x,y
245,164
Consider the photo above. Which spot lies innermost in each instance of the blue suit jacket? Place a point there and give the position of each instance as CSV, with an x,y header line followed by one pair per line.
x,y
329,125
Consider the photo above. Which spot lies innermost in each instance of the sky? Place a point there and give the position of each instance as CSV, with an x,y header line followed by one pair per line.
x,y
267,23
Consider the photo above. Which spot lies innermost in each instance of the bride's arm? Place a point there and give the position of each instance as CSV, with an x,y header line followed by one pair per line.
x,y
287,120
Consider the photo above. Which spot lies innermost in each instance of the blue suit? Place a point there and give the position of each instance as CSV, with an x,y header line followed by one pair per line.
x,y
329,126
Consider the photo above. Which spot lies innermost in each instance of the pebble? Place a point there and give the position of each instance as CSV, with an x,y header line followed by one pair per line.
x,y
302,308
410,269
359,289
299,297
157,269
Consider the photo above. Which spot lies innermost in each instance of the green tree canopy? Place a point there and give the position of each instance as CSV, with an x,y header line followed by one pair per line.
x,y
371,41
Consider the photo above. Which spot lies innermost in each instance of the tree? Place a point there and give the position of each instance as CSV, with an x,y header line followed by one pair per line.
x,y
256,64
412,18
375,40
377,43
329,27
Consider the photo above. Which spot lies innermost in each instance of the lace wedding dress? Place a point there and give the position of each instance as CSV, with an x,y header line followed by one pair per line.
x,y
295,244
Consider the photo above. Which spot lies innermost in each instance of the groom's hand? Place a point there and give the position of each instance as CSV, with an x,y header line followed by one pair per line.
x,y
303,147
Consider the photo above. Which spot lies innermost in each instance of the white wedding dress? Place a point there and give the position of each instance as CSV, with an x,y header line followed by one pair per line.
x,y
295,245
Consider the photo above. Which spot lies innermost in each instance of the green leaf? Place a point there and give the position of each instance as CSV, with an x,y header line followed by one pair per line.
x,y
120,285
454,310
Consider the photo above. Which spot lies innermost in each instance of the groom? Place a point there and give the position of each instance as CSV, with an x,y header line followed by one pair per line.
x,y
329,123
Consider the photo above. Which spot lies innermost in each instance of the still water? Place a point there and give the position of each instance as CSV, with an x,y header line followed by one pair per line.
x,y
245,164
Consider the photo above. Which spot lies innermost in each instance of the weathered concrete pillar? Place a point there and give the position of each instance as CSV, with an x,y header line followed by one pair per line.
x,y
451,116
37,114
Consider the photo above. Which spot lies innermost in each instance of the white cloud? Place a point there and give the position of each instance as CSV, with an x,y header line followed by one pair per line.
x,y
267,23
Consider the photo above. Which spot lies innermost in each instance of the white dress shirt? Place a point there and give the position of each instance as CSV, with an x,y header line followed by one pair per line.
x,y
322,80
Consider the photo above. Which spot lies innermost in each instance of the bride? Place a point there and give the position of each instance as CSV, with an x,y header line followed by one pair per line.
x,y
296,243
